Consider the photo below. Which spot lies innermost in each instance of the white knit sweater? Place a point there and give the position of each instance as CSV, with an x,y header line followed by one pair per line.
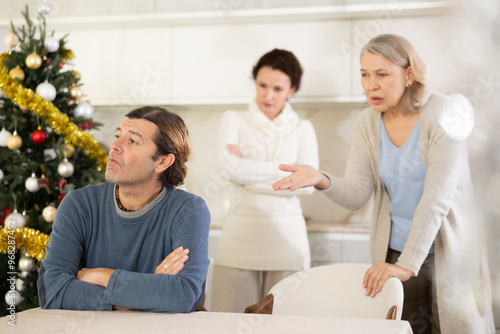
x,y
264,229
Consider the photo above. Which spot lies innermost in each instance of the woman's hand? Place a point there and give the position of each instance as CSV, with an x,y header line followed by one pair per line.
x,y
174,262
234,150
376,276
302,176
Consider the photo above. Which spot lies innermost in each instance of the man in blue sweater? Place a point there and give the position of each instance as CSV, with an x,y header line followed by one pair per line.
x,y
135,242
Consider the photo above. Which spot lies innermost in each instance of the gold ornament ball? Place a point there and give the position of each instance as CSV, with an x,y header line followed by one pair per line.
x,y
33,61
17,73
14,142
68,150
76,93
49,213
23,107
76,74
26,263
11,40
27,217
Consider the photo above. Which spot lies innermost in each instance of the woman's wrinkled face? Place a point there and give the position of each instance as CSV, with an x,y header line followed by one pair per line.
x,y
273,90
384,82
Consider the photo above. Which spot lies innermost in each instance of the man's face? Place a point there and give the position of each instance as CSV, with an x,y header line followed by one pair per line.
x,y
130,160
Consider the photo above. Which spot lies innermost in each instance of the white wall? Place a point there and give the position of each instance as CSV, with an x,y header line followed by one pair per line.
x,y
195,58
200,70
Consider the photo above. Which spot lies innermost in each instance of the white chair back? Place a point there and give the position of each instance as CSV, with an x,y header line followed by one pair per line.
x,y
336,290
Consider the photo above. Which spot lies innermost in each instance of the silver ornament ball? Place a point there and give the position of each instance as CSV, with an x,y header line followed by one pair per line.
x,y
52,44
13,297
84,110
15,219
65,168
45,8
46,90
32,183
4,136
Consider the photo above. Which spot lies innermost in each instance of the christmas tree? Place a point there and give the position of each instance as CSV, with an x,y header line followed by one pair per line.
x,y
46,150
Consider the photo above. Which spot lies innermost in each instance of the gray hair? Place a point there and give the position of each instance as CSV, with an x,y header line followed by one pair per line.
x,y
401,52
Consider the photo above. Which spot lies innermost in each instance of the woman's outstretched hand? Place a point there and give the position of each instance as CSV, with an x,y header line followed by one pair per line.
x,y
302,176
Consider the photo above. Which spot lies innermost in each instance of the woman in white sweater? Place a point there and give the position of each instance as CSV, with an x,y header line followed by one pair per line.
x,y
264,236
426,229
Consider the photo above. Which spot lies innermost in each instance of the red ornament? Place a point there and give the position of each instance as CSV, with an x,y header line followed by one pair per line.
x,y
61,64
43,182
86,124
61,183
4,213
38,136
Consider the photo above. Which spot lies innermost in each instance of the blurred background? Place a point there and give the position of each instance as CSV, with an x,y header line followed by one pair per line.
x,y
195,58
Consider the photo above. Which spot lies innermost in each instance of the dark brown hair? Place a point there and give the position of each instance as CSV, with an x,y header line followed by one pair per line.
x,y
284,61
172,137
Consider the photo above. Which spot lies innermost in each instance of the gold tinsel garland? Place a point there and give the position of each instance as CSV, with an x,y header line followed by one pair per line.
x,y
67,54
32,241
56,119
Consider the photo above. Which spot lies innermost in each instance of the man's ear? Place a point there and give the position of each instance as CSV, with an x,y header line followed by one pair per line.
x,y
164,162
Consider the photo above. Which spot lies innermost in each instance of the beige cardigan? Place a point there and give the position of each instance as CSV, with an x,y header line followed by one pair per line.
x,y
446,214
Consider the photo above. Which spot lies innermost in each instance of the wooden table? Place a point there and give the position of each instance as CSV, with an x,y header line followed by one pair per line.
x,y
79,322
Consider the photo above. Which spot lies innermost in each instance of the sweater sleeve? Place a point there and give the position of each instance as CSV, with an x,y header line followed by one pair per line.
x,y
58,287
179,293
307,155
240,170
355,188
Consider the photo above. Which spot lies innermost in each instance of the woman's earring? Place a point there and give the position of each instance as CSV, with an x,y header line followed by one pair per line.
x,y
408,85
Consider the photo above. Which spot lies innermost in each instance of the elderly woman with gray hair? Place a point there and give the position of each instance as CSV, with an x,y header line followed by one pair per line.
x,y
425,229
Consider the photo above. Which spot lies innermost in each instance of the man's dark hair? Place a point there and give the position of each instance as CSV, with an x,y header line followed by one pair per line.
x,y
172,137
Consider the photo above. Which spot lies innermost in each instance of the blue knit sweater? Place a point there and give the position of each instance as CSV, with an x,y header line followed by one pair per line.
x,y
90,231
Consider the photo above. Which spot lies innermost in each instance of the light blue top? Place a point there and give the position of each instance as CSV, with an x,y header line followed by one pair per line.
x,y
90,231
403,173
